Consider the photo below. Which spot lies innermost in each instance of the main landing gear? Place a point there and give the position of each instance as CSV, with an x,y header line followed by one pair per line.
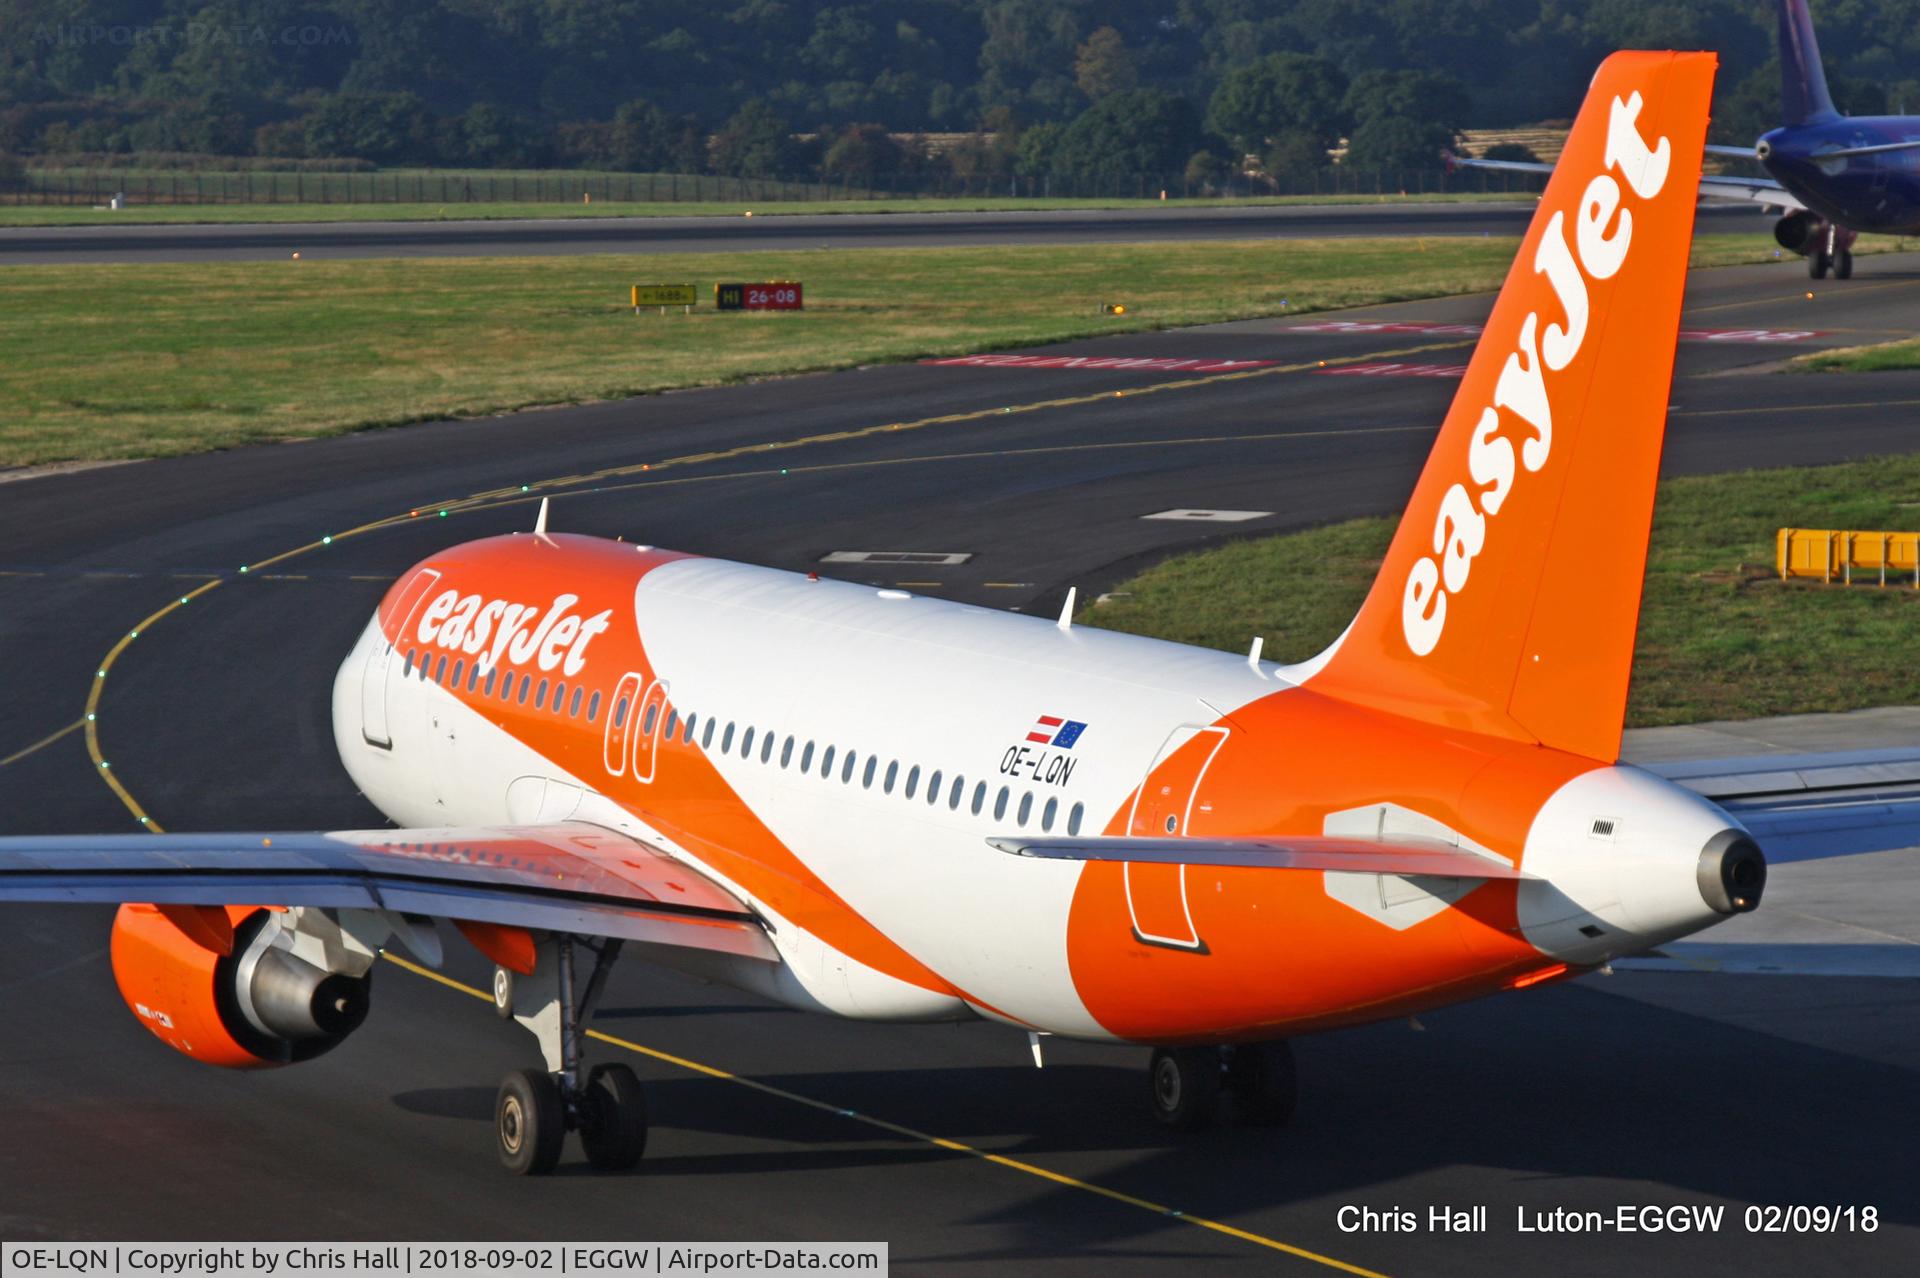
x,y
535,1109
1827,253
1186,1084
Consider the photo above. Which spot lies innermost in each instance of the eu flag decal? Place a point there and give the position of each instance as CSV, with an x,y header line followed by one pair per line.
x,y
1055,731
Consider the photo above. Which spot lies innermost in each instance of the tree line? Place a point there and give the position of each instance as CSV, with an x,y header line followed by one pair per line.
x,y
778,88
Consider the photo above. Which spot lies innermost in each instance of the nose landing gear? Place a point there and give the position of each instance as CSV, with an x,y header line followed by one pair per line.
x,y
535,1109
1185,1084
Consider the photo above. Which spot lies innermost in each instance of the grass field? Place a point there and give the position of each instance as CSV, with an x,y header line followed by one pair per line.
x,y
1720,636
122,361
141,214
1879,358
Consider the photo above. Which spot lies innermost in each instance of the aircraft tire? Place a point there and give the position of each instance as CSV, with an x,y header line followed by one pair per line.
x,y
1263,1082
1843,264
503,993
529,1122
1183,1084
1817,263
613,1128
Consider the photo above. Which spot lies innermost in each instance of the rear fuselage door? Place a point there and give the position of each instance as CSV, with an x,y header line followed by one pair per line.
x,y
1162,808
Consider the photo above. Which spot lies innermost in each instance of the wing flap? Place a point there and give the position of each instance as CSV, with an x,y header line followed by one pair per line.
x,y
575,878
1432,858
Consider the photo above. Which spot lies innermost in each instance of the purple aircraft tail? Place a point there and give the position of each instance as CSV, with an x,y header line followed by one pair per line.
x,y
1803,84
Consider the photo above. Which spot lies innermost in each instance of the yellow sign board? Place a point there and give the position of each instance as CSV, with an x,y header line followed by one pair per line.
x,y
663,295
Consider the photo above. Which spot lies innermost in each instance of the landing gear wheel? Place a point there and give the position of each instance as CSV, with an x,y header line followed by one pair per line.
x,y
613,1119
1843,264
1817,263
503,993
1184,1085
1264,1086
529,1122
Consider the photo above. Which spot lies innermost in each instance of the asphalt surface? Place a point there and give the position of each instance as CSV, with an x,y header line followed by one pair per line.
x,y
322,240
1645,1088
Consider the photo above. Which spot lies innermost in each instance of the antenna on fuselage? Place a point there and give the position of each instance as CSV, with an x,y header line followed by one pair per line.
x,y
540,520
1066,609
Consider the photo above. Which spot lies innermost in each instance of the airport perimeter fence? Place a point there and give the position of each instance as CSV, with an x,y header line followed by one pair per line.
x,y
89,187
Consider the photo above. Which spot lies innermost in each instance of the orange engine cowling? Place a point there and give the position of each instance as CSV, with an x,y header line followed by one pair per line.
x,y
218,990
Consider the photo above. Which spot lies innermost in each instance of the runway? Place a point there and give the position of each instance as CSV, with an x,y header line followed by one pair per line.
x,y
1645,1087
772,231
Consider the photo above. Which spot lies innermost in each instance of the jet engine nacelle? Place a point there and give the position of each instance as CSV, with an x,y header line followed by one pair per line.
x,y
237,996
1799,231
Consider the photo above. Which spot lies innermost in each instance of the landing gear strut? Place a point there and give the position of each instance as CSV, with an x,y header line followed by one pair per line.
x,y
535,1109
1831,252
1186,1084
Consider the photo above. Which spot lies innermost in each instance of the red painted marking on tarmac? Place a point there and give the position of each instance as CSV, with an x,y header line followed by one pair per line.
x,y
1757,336
1394,370
1121,363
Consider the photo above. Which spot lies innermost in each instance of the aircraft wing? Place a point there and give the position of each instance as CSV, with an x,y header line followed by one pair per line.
x,y
1764,191
1756,190
1410,855
570,877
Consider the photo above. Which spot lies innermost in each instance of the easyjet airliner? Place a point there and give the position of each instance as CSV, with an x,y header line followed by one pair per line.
x,y
894,808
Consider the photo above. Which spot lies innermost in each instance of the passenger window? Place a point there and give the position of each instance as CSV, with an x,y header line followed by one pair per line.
x,y
979,796
746,744
706,738
673,723
806,757
686,731
1025,811
913,780
766,747
726,738
953,795
1000,804
486,689
526,682
1073,819
786,752
846,769
1047,813
646,720
593,706
440,671
826,764
506,686
573,711
866,778
893,771
933,787
459,668
540,695
408,668
620,713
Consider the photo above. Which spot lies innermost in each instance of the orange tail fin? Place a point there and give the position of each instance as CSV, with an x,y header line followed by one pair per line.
x,y
1508,600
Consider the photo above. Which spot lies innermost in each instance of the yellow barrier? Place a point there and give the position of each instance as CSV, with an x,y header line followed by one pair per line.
x,y
1835,553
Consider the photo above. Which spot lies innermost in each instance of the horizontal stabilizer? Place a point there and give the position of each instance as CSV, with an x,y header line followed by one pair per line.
x,y
1431,858
1812,806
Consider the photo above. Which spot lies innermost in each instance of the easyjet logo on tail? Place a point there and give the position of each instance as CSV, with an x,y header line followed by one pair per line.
x,y
549,637
1460,527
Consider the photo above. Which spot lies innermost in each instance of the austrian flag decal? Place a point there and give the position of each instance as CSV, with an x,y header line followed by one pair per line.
x,y
1056,732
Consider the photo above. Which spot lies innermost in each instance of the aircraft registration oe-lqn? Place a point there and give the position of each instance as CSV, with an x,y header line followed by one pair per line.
x,y
888,807
1833,176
